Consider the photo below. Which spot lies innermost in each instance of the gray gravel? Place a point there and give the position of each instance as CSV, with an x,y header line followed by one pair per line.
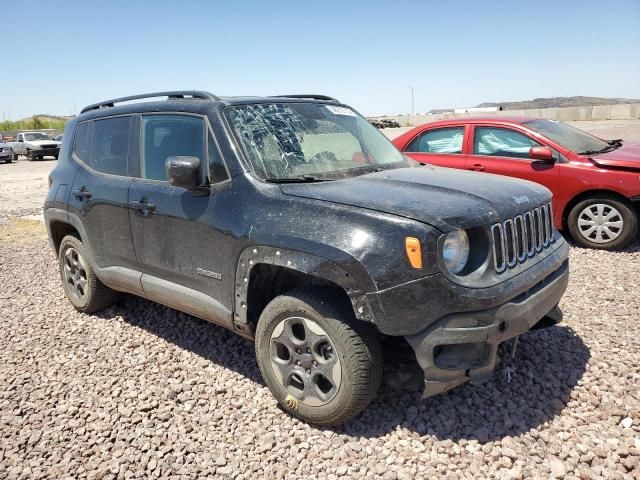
x,y
144,391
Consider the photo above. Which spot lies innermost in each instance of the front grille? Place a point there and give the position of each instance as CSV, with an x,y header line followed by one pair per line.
x,y
522,237
48,146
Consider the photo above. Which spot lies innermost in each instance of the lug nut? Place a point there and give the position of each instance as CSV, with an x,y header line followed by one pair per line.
x,y
298,350
308,350
298,363
308,371
315,364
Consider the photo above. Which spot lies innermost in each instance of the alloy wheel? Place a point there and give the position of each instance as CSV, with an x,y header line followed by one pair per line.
x,y
75,273
305,361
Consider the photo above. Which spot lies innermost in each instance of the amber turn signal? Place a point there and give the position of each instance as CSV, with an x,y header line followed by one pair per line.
x,y
414,254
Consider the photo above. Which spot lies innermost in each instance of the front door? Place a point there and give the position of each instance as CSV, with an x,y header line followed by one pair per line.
x,y
179,236
505,151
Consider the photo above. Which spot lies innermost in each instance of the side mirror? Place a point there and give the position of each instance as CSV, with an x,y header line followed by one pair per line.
x,y
542,153
184,172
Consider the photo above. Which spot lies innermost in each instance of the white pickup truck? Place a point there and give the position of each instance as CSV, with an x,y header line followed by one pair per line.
x,y
35,145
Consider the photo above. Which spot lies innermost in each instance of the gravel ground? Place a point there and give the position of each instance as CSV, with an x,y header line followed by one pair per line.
x,y
141,390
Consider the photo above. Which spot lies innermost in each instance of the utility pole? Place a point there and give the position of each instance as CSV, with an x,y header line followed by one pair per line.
x,y
412,102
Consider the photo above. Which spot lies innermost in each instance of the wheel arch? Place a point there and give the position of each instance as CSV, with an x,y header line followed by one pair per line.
x,y
591,194
60,223
265,272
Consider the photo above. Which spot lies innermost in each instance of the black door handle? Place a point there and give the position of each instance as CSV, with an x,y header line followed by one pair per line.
x,y
144,207
82,193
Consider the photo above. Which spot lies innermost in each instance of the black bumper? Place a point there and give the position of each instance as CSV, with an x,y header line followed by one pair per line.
x,y
46,152
462,347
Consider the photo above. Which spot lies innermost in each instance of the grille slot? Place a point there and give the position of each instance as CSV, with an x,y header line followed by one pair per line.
x,y
522,237
497,234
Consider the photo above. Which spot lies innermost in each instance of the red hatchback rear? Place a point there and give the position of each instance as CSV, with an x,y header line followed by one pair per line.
x,y
595,183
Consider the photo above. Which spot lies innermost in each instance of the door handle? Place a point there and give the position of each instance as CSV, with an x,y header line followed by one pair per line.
x,y
476,167
144,207
82,193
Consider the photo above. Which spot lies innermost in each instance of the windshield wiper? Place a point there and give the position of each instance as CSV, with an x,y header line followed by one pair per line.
x,y
300,179
606,149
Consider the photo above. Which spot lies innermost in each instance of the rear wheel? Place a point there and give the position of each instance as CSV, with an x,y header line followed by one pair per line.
x,y
319,362
15,157
81,285
603,222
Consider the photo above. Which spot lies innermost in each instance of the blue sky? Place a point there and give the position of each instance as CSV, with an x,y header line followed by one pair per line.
x,y
366,53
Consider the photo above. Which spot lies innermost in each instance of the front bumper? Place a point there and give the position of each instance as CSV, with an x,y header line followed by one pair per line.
x,y
46,152
463,346
6,154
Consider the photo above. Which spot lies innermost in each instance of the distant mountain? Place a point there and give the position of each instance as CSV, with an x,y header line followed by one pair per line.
x,y
45,117
555,102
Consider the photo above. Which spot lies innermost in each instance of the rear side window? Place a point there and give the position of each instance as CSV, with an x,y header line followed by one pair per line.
x,y
165,136
441,140
110,145
501,142
82,142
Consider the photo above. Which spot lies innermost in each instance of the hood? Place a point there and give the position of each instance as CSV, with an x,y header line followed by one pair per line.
x,y
43,142
442,197
627,156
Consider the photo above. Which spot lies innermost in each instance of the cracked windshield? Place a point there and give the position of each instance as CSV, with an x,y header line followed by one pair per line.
x,y
311,142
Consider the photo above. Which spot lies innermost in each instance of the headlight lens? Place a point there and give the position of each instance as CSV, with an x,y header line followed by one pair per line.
x,y
455,251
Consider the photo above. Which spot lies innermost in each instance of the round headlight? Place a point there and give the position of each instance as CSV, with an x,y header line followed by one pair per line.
x,y
455,251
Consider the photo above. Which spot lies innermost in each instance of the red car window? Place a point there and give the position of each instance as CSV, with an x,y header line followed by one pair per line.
x,y
439,140
501,142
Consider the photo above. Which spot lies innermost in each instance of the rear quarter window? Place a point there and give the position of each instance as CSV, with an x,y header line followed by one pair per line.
x,y
82,142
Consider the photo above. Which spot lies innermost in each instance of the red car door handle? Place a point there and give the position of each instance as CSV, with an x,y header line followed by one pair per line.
x,y
477,167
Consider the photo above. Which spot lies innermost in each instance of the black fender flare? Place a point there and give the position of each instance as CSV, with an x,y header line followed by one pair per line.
x,y
59,215
352,278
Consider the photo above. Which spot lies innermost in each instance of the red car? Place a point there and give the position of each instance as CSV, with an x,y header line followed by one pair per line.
x,y
595,182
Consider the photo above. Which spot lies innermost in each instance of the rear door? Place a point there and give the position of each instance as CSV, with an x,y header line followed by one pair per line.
x,y
179,237
99,195
505,151
441,146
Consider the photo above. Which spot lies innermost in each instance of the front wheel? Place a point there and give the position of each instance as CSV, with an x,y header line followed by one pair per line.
x,y
30,155
603,222
320,363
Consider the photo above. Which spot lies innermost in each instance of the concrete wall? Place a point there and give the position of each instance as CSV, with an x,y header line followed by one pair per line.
x,y
600,112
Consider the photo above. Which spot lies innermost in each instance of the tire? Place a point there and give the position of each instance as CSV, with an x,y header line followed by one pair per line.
x,y
619,223
93,295
15,157
9,160
30,156
342,345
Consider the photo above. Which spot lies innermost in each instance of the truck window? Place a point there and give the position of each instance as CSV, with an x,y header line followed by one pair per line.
x,y
110,145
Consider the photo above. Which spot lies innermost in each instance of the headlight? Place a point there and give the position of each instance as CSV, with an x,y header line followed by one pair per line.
x,y
455,251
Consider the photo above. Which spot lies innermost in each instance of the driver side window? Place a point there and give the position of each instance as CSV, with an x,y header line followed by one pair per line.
x,y
501,142
165,136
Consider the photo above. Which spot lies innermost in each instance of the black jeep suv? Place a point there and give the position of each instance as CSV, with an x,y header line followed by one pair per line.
x,y
295,223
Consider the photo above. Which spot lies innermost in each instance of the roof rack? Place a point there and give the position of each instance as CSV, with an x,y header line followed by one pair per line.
x,y
311,96
195,94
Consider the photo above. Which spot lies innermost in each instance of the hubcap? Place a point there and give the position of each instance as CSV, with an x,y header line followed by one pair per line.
x,y
305,361
75,273
600,223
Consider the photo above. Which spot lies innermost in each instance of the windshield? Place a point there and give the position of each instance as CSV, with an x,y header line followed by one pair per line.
x,y
35,136
310,141
569,137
